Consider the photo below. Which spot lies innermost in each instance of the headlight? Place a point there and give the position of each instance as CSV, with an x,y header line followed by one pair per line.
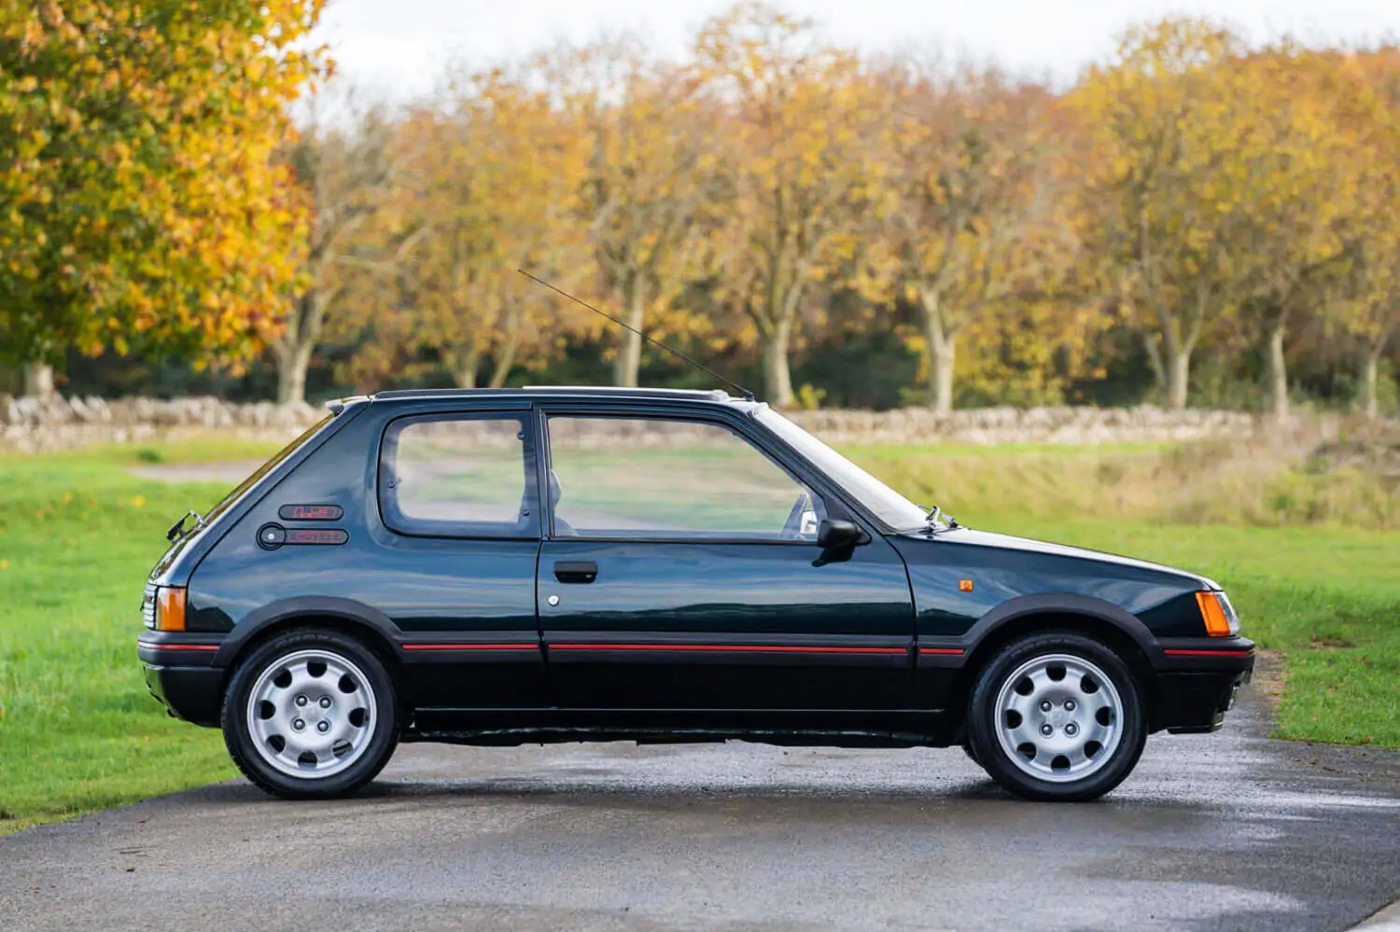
x,y
1218,614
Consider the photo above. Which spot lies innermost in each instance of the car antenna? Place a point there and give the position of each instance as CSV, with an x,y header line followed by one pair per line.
x,y
747,395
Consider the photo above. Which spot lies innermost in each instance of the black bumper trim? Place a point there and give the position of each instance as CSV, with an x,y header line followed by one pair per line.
x,y
1194,702
192,693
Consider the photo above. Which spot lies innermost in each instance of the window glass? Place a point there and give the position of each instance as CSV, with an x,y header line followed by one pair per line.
x,y
457,475
887,504
637,477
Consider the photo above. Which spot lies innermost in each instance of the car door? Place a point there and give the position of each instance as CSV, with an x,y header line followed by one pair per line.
x,y
681,571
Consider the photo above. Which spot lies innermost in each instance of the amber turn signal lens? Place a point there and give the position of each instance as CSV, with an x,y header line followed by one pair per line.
x,y
170,608
1213,613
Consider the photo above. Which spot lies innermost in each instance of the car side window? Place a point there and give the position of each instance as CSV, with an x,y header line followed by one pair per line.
x,y
652,478
458,476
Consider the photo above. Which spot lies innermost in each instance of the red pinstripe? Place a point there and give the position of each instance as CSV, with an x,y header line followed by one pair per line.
x,y
470,646
747,648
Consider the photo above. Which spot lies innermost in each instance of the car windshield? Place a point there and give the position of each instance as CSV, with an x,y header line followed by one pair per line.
x,y
884,502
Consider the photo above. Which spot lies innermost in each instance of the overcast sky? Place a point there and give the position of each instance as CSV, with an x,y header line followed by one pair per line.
x,y
395,48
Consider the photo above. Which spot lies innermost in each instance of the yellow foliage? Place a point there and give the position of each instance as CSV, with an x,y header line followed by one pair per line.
x,y
139,184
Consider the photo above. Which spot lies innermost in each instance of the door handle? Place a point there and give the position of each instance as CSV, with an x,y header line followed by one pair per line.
x,y
575,571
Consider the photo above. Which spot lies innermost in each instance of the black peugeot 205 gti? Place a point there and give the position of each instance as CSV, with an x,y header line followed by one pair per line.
x,y
517,566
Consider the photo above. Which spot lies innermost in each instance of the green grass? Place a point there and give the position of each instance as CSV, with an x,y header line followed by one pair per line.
x,y
78,731
78,533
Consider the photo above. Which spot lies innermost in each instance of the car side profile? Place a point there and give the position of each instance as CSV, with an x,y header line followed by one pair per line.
x,y
500,567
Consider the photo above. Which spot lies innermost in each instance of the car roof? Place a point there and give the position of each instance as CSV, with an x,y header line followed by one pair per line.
x,y
711,396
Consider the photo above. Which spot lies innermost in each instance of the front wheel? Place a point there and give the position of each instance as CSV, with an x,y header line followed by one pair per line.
x,y
1056,716
310,714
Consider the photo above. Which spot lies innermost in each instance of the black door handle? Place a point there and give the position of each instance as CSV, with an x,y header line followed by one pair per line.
x,y
576,571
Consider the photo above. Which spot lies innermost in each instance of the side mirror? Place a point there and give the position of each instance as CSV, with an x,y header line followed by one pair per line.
x,y
833,533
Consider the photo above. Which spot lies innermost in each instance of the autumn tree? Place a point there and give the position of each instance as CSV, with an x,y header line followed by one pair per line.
x,y
648,179
1165,190
342,169
489,185
1368,299
1295,194
795,163
142,203
969,218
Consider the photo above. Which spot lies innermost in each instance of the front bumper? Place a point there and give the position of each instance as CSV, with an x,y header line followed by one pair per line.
x,y
1198,681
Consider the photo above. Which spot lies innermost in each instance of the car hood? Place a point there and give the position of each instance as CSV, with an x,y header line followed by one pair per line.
x,y
969,537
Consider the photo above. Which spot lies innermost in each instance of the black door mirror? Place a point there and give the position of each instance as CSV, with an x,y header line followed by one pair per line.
x,y
834,532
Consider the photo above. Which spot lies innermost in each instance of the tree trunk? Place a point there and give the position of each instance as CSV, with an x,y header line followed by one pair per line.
x,y
291,373
505,361
464,365
38,380
1278,374
629,357
777,377
1152,345
942,351
1178,375
293,352
941,358
1370,377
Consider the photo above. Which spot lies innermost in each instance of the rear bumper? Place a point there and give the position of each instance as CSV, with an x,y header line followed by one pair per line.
x,y
190,693
180,674
1197,683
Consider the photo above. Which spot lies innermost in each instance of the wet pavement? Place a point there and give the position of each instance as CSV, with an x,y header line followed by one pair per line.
x,y
1228,831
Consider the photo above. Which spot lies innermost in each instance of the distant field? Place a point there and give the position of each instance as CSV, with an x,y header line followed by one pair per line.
x,y
78,534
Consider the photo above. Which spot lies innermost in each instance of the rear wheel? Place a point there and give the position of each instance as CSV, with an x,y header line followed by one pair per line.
x,y
1056,716
310,714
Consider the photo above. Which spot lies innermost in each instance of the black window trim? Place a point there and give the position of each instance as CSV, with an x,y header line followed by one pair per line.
x,y
396,522
836,505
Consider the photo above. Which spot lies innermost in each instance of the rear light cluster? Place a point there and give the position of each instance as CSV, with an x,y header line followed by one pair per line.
x,y
1218,614
163,608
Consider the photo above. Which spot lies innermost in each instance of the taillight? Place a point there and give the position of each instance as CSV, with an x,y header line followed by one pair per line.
x,y
170,608
1217,613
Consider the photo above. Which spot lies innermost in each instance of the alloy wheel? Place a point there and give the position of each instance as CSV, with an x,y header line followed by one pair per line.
x,y
311,713
1059,718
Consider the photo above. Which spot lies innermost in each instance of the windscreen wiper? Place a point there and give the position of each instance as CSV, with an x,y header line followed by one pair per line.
x,y
938,521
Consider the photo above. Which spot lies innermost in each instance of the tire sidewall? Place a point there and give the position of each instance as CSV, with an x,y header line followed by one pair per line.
x,y
982,718
240,742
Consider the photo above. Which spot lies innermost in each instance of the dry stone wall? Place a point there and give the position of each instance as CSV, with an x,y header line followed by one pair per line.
x,y
31,424
58,423
1145,424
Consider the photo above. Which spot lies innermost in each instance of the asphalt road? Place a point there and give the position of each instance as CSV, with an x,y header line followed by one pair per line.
x,y
1230,831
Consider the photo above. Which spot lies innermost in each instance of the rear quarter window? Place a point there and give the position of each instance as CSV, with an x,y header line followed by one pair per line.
x,y
458,476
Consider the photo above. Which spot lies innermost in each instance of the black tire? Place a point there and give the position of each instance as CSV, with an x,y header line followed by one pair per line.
x,y
971,754
984,720
382,727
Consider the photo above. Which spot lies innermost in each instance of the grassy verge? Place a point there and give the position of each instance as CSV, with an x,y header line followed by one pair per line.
x,y
78,533
78,731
